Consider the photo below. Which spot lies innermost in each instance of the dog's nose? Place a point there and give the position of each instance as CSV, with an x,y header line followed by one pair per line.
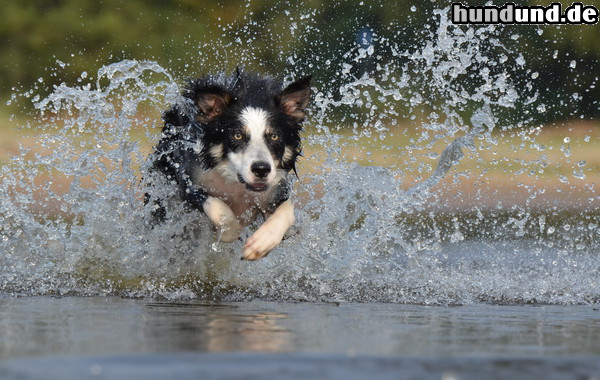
x,y
261,169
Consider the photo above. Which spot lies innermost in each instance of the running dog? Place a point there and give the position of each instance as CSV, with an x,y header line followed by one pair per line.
x,y
229,145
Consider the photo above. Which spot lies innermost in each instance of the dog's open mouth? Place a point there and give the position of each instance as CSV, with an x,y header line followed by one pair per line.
x,y
257,186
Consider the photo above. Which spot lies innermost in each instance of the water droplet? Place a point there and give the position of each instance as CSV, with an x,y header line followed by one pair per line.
x,y
578,174
573,64
413,8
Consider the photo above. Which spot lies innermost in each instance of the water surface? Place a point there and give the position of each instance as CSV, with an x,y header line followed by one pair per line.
x,y
118,337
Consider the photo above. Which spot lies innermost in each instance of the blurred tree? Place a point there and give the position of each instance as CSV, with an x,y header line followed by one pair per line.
x,y
57,40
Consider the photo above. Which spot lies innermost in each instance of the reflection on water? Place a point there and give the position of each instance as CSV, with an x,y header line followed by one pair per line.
x,y
99,326
215,328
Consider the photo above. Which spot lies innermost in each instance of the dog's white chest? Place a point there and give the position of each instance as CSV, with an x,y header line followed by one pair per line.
x,y
244,204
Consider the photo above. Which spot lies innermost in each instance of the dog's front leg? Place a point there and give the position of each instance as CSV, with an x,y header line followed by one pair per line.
x,y
221,216
270,233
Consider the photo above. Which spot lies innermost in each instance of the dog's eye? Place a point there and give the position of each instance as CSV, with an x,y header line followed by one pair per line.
x,y
274,136
238,136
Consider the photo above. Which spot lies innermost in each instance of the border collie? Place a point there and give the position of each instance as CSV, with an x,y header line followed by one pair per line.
x,y
230,144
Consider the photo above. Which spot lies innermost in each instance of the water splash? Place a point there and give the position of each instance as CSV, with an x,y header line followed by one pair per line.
x,y
73,220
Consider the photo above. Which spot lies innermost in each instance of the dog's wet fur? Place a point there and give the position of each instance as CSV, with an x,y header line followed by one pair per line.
x,y
230,144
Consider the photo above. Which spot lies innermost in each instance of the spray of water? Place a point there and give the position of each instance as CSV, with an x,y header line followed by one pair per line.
x,y
74,220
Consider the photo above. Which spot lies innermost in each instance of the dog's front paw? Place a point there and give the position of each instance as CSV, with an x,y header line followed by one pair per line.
x,y
227,226
261,243
229,233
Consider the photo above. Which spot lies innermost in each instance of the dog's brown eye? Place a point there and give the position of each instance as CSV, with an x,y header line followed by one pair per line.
x,y
238,136
274,136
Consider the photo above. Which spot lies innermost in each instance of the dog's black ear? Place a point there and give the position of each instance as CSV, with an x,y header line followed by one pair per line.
x,y
294,99
211,102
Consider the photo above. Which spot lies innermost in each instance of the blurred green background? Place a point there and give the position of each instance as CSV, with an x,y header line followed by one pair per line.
x,y
47,42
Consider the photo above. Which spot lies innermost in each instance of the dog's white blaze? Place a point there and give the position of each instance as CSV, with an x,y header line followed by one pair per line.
x,y
256,124
256,121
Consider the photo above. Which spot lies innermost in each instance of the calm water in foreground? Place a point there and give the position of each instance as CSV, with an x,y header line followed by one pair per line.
x,y
113,338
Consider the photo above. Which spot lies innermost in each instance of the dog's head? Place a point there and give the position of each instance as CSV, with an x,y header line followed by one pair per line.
x,y
250,126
